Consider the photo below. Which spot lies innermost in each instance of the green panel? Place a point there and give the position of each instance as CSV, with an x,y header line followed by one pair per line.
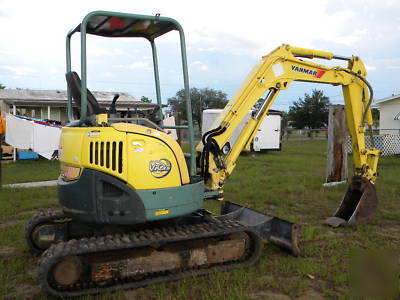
x,y
176,201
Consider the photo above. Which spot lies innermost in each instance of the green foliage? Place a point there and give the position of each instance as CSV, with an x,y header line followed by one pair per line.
x,y
29,171
145,99
15,201
2,87
201,99
310,112
375,116
285,120
258,104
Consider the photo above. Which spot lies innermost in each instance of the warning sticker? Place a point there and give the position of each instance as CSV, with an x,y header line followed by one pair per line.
x,y
160,212
278,69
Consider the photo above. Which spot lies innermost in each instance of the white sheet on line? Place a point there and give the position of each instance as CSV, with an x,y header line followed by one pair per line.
x,y
19,132
26,134
45,139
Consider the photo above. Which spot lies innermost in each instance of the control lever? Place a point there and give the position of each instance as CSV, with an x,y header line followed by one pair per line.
x,y
113,111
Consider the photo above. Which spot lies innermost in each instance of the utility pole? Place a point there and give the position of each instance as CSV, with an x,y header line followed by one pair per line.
x,y
336,168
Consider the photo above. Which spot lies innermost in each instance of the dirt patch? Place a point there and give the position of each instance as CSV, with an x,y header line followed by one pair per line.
x,y
7,250
9,223
395,230
311,294
33,272
269,295
31,211
13,221
24,291
140,293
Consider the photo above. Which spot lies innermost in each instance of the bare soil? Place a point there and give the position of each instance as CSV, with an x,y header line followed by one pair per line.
x,y
269,295
7,250
312,294
25,291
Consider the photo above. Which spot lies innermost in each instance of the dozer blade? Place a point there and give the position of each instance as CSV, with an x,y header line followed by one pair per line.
x,y
269,228
358,206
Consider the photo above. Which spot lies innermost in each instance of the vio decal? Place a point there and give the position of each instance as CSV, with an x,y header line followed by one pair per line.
x,y
160,168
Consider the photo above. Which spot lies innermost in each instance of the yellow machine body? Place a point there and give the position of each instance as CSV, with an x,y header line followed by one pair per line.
x,y
142,157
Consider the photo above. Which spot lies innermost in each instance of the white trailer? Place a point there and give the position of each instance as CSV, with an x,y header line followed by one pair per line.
x,y
268,136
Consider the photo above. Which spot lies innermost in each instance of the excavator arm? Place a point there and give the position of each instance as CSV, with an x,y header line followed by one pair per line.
x,y
276,72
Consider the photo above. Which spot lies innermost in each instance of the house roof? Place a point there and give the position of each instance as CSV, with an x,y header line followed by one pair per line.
x,y
58,98
380,101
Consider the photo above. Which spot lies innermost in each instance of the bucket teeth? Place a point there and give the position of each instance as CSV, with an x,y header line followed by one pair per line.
x,y
359,204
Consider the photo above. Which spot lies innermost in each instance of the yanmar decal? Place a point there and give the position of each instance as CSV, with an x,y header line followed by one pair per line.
x,y
160,168
316,74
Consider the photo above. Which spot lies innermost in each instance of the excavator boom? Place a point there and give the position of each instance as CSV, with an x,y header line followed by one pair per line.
x,y
275,72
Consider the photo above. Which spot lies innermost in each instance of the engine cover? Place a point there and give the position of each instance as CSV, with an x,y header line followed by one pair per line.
x,y
142,157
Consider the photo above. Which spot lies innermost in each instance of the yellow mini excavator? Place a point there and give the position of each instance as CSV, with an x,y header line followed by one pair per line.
x,y
132,200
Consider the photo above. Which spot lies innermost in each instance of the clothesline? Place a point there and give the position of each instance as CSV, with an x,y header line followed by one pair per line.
x,y
35,134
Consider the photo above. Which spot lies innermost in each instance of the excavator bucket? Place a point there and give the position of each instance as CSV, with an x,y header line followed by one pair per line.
x,y
271,229
358,206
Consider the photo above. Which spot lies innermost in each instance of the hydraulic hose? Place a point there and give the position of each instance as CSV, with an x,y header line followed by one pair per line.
x,y
210,145
371,94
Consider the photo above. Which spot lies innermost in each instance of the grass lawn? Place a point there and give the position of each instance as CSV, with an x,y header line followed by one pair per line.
x,y
287,184
29,170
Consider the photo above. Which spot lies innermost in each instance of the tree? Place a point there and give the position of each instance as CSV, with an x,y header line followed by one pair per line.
x,y
201,99
376,117
258,104
2,87
310,112
145,99
285,121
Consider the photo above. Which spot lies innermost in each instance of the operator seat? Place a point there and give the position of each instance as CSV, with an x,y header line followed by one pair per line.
x,y
74,85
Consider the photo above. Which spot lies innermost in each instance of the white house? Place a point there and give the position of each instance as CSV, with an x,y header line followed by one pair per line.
x,y
52,104
389,109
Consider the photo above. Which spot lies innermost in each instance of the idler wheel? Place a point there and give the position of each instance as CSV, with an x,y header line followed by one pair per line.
x,y
67,271
43,236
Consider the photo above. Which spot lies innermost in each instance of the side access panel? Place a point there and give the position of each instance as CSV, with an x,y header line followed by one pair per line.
x,y
172,202
100,198
103,199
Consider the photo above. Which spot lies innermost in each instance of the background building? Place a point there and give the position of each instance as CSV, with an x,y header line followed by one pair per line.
x,y
389,110
52,104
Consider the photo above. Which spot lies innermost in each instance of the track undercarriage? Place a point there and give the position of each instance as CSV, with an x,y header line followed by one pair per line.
x,y
80,260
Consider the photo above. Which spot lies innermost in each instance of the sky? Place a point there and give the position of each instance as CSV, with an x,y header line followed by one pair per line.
x,y
224,40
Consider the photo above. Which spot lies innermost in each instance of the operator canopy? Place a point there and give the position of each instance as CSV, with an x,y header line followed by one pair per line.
x,y
130,26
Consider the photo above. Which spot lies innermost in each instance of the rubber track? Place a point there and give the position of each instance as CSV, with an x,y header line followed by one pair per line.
x,y
138,239
42,218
